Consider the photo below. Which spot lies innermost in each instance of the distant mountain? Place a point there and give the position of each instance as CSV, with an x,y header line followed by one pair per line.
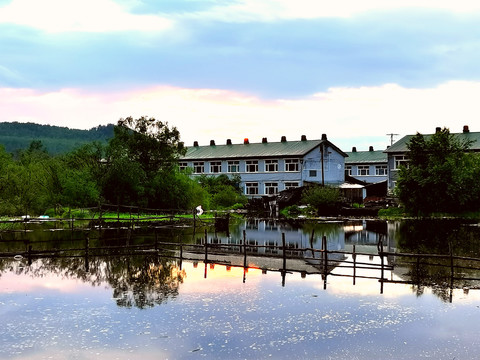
x,y
15,136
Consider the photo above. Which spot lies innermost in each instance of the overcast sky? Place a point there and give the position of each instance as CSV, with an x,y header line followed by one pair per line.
x,y
218,69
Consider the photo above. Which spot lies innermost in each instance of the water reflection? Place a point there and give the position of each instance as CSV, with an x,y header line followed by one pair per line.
x,y
152,273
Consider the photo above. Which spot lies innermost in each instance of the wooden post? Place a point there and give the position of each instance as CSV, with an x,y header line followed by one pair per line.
x,y
244,249
380,252
354,256
206,252
284,248
87,245
29,255
325,261
311,242
181,253
452,271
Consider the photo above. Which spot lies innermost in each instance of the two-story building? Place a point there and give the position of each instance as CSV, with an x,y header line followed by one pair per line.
x,y
367,166
397,154
267,168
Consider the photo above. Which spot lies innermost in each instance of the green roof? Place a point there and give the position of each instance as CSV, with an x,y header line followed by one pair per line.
x,y
365,157
256,150
401,145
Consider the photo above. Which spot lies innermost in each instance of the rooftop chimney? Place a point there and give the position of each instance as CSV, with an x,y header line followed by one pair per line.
x,y
195,143
466,129
284,139
354,149
370,148
245,141
324,136
304,137
212,142
264,140
229,141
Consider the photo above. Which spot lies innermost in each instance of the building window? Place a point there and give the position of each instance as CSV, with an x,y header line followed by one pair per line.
x,y
251,166
233,166
363,170
271,165
198,167
251,188
292,164
291,185
182,166
215,167
312,173
400,160
381,170
271,188
348,170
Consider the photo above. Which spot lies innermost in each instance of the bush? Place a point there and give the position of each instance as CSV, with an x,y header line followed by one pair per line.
x,y
325,200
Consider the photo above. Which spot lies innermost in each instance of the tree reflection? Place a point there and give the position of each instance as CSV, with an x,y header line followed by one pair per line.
x,y
443,237
137,281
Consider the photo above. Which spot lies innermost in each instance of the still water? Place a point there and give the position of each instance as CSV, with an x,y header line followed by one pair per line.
x,y
150,307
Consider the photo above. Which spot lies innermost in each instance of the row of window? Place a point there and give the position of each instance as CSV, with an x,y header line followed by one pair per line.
x,y
364,170
233,166
269,188
380,170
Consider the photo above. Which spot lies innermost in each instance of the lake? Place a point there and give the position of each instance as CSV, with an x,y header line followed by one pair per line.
x,y
145,306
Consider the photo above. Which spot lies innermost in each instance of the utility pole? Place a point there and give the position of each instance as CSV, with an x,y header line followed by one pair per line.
x,y
391,138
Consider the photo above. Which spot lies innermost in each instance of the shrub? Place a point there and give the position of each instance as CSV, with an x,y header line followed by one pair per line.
x,y
325,200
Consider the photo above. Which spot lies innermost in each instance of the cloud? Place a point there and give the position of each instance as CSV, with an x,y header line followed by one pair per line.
x,y
350,116
274,10
79,16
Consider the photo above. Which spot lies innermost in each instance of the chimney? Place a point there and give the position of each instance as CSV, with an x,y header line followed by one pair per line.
x,y
284,139
212,142
437,130
304,137
264,140
324,136
354,149
245,141
370,148
195,143
229,141
466,129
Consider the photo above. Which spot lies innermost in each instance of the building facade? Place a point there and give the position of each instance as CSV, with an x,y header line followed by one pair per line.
x,y
368,166
267,168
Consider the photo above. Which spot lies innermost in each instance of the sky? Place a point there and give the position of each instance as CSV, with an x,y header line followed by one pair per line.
x,y
235,69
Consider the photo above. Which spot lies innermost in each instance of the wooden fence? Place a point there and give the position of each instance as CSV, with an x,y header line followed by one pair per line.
x,y
286,260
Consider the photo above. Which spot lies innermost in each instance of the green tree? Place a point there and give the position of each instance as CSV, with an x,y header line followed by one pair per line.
x,y
441,175
140,151
326,200
224,191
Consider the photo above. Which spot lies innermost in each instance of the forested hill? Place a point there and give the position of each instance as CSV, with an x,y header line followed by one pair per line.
x,y
56,139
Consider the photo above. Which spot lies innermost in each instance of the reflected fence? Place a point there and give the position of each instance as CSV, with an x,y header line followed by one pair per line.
x,y
387,267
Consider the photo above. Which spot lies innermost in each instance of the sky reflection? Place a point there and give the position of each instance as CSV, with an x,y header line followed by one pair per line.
x,y
222,317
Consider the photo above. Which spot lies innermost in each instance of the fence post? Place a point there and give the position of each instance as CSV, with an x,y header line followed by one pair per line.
x,y
380,252
354,256
87,245
244,249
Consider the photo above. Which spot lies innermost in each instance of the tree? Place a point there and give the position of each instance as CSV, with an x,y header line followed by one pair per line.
x,y
441,175
224,191
326,200
140,150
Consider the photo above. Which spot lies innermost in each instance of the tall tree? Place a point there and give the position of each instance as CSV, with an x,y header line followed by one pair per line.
x,y
441,176
139,150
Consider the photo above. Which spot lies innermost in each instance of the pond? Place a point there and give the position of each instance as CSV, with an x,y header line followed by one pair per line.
x,y
145,306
